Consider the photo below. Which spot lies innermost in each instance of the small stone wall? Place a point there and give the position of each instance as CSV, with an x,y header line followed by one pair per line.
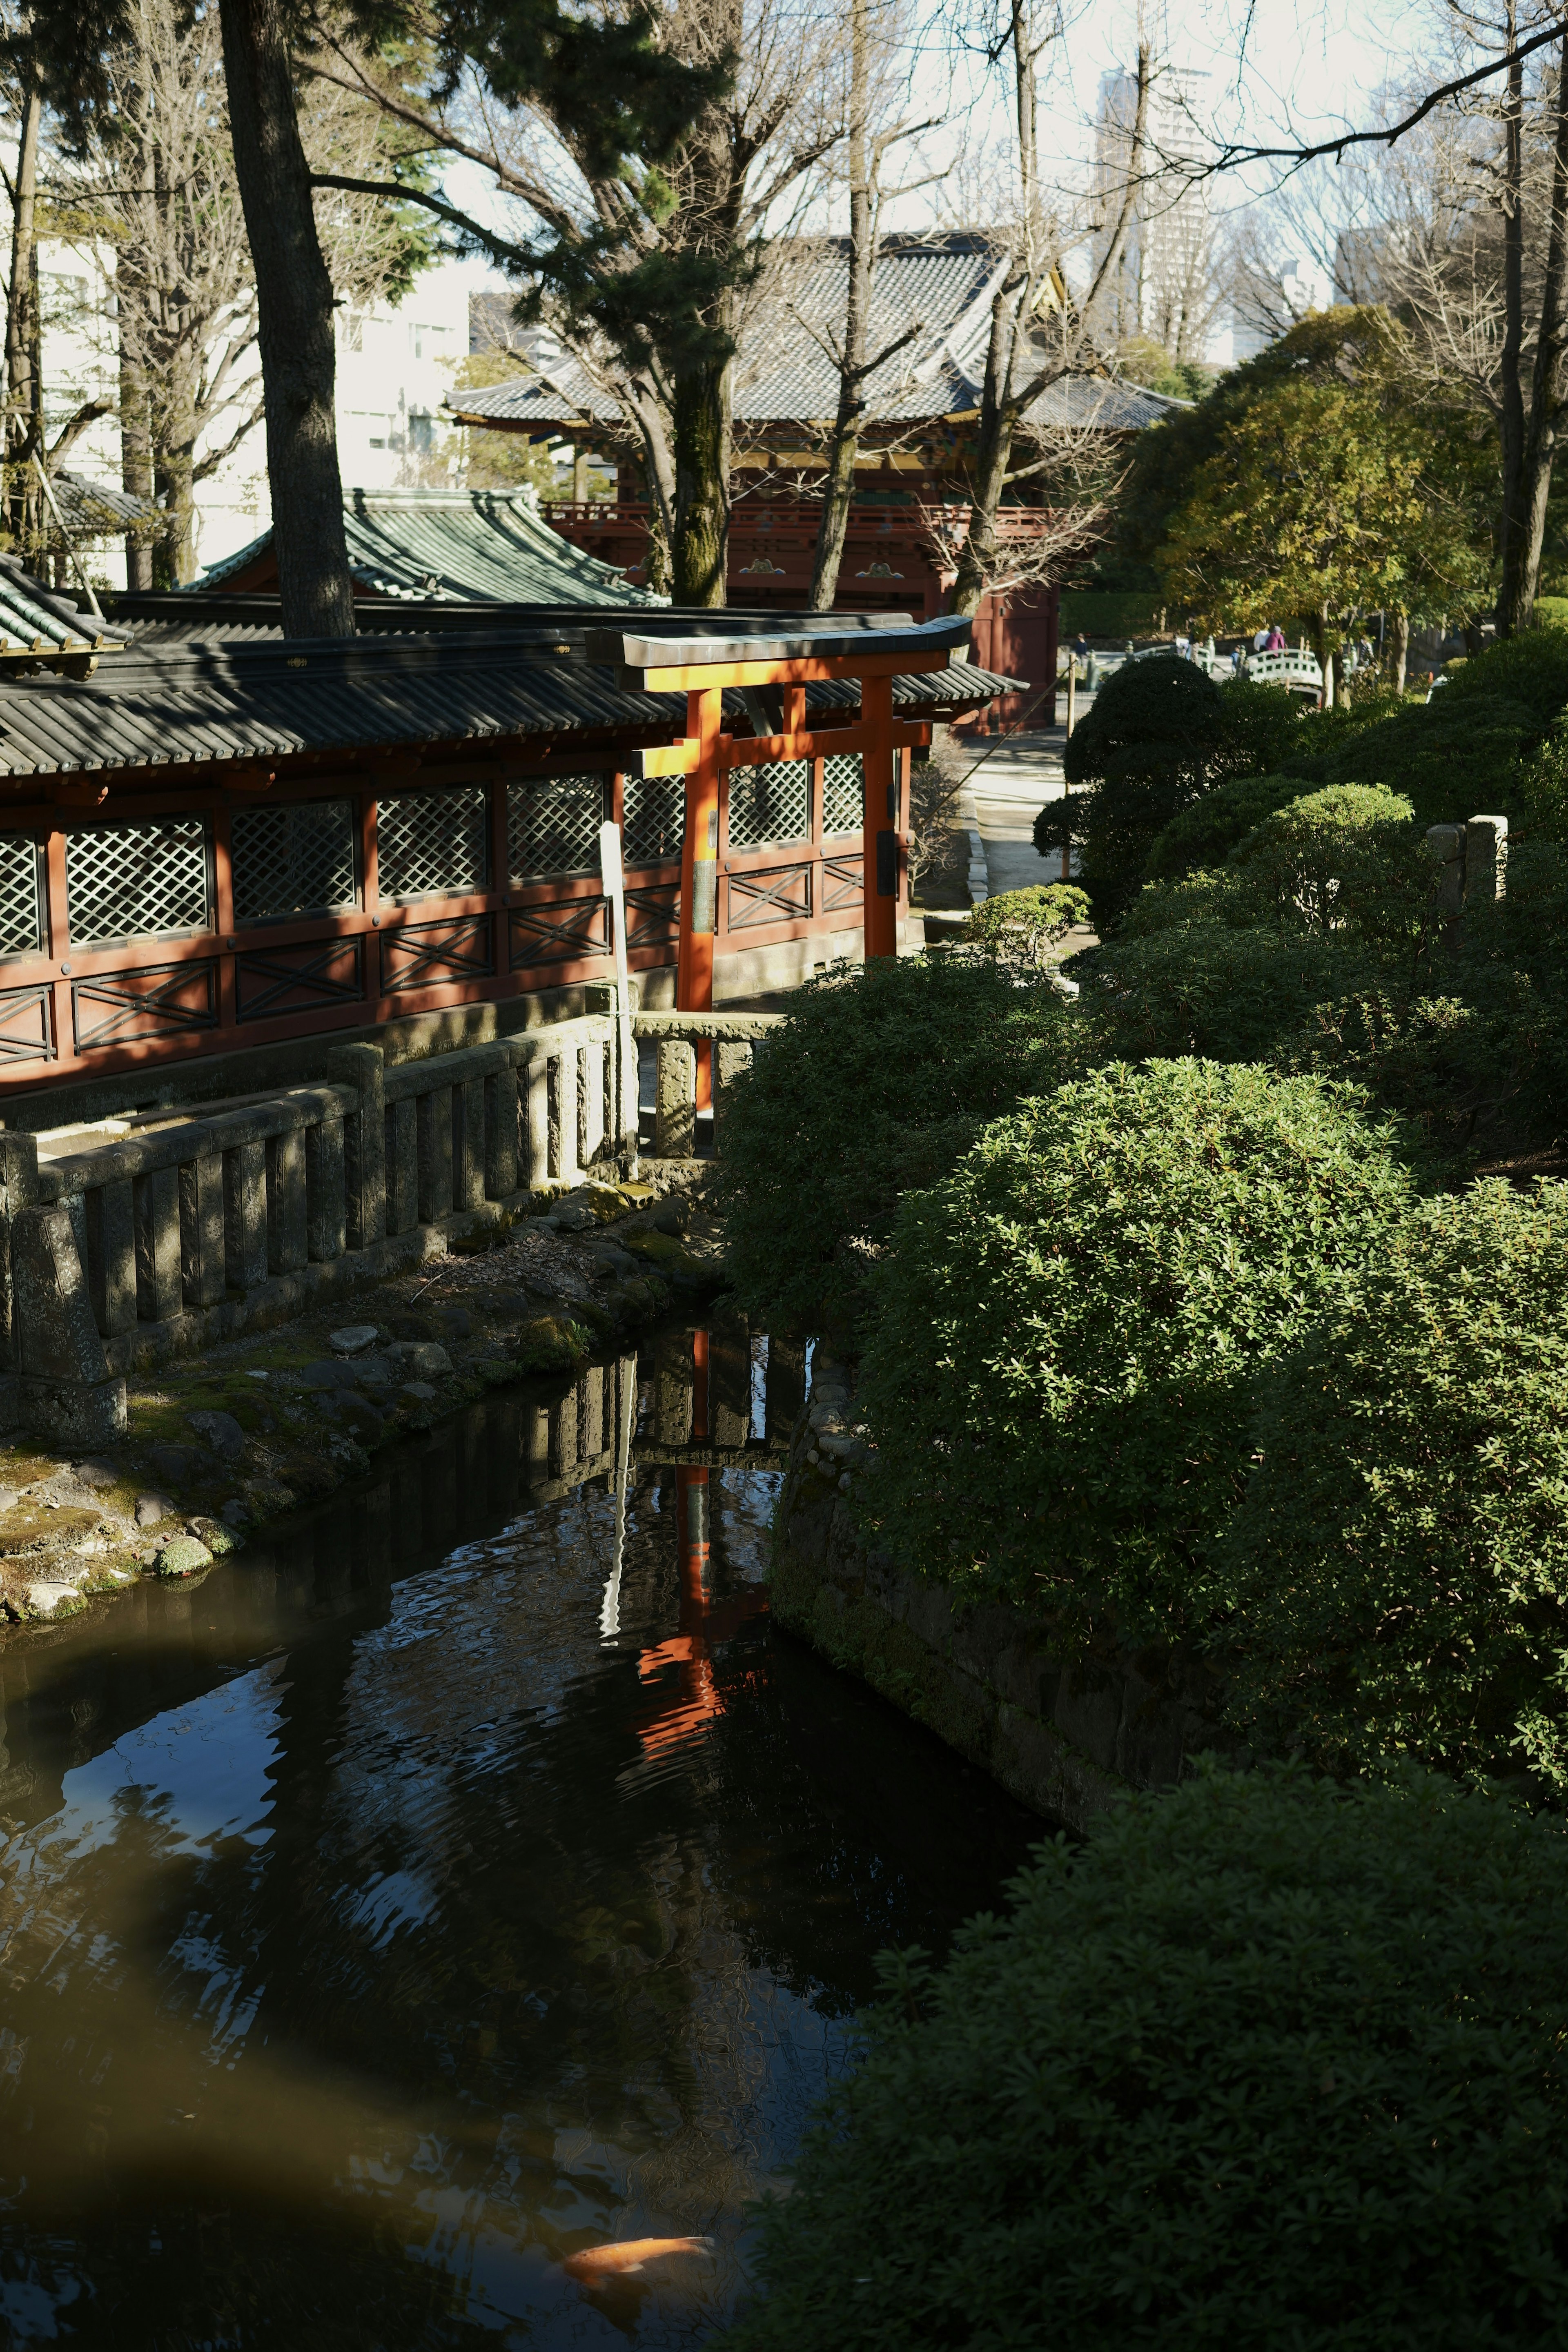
x,y
1066,1738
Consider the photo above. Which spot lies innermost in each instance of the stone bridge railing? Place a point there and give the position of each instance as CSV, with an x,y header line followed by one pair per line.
x,y
156,1244
677,1036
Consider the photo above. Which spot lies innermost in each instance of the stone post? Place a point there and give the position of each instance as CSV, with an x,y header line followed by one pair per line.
x,y
18,1191
675,1114
363,1067
67,1393
1486,860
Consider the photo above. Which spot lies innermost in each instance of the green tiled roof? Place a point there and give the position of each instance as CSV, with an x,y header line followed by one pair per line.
x,y
462,546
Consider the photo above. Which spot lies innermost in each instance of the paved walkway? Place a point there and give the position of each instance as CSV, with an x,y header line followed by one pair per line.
x,y
1017,775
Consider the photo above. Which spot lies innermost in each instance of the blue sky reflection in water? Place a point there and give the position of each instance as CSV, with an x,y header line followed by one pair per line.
x,y
373,1932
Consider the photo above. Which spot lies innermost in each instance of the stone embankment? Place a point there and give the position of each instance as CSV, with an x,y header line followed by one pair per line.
x,y
1063,1736
222,1444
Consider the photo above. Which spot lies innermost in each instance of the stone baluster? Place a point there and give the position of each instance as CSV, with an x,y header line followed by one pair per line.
x,y
363,1067
675,1114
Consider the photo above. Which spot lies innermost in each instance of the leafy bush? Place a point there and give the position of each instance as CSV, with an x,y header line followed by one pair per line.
x,y
1023,928
1452,758
1532,669
1214,989
879,1079
1346,858
1059,1380
1452,1065
1402,1550
1205,833
1263,2064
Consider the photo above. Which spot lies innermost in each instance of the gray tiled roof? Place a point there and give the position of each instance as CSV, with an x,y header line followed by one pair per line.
x,y
783,374
32,615
475,546
179,705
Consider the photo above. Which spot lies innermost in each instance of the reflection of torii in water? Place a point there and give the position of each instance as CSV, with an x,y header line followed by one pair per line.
x,y
695,1700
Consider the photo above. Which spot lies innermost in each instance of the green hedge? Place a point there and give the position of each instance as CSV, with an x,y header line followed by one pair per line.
x,y
1402,1550
1059,1380
1205,833
1212,988
1265,2066
880,1077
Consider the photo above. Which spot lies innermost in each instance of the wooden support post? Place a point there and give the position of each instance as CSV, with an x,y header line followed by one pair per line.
x,y
881,847
700,868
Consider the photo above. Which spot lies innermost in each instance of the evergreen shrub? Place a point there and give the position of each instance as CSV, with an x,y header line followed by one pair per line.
x,y
880,1077
1348,858
1023,928
1211,988
1059,1378
1401,1554
1264,2065
1205,835
1462,755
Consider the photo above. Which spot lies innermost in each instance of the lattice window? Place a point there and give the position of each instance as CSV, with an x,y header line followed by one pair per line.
x,y
552,825
842,794
136,881
655,827
772,802
21,917
434,844
292,861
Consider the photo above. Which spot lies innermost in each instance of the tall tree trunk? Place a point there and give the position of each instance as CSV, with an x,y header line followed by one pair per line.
x,y
1509,358
24,405
294,316
700,554
992,454
839,487
135,462
1548,382
1400,649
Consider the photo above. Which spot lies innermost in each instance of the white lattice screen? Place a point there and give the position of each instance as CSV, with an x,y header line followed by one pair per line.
x,y
137,880
552,825
655,825
21,921
842,794
772,802
292,861
433,844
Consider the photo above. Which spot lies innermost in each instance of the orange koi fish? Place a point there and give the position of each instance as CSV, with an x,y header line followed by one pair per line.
x,y
596,2265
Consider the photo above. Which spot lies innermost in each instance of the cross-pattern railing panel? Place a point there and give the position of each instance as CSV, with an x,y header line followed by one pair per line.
x,y
780,895
26,1023
272,982
842,794
770,802
123,1008
552,825
654,826
434,955
843,884
126,881
292,860
653,915
21,897
571,930
433,844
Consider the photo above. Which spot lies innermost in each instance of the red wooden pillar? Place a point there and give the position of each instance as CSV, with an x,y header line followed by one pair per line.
x,y
700,872
880,844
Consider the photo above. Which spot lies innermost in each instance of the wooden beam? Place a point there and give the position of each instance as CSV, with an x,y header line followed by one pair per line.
x,y
787,672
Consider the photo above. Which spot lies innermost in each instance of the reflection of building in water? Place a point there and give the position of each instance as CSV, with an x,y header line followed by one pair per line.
x,y
1168,282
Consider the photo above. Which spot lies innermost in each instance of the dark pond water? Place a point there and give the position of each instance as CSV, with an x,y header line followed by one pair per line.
x,y
463,1877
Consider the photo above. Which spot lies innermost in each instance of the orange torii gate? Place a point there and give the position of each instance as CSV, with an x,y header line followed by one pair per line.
x,y
779,659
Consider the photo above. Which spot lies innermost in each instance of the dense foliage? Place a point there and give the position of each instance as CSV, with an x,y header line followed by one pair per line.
x,y
1453,758
1206,832
1263,2064
1027,927
1059,1379
879,1079
1159,733
1402,1550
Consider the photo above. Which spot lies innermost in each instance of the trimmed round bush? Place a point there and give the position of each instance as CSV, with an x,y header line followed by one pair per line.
x,y
1025,928
1059,1378
1207,832
1348,857
880,1077
1401,1554
1265,2066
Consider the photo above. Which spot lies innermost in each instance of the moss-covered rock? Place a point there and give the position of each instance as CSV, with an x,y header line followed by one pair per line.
x,y
182,1556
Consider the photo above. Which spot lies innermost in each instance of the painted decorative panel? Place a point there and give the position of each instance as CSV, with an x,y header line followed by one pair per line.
x,y
296,859
130,1008
134,881
781,894
573,931
27,1024
433,844
269,982
437,955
